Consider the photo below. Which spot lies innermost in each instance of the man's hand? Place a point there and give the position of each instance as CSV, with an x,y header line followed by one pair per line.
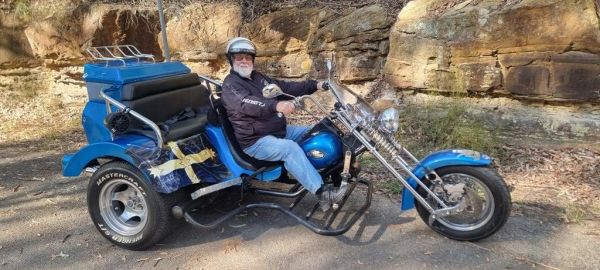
x,y
285,107
323,85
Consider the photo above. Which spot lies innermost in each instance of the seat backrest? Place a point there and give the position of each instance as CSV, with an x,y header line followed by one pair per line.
x,y
161,99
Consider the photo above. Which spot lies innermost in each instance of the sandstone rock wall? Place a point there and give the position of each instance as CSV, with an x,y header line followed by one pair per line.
x,y
547,49
14,47
291,43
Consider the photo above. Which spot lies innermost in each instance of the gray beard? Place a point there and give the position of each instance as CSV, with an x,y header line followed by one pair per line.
x,y
244,72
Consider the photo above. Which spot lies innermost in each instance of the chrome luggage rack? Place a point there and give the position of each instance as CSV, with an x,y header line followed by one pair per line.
x,y
119,53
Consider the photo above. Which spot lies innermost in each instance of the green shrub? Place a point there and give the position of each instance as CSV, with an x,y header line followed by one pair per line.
x,y
431,127
22,10
392,186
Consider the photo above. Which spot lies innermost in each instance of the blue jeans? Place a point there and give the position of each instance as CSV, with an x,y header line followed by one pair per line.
x,y
294,159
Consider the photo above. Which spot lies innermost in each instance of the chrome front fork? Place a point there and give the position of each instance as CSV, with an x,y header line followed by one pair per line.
x,y
395,150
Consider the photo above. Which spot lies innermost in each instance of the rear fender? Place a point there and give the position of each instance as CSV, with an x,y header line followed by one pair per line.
x,y
436,160
74,164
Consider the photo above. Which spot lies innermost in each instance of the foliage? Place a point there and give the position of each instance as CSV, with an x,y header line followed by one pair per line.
x,y
434,127
392,186
575,213
22,10
253,9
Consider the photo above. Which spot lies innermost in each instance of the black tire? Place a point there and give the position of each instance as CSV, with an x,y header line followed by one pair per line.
x,y
501,204
153,210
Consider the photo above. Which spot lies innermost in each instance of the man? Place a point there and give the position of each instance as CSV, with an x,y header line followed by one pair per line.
x,y
259,123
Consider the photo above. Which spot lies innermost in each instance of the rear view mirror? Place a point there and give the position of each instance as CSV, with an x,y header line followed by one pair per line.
x,y
271,91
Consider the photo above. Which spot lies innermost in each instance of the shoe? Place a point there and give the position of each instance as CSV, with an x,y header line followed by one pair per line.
x,y
331,195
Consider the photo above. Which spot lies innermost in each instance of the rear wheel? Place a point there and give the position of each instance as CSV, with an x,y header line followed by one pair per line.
x,y
487,203
125,208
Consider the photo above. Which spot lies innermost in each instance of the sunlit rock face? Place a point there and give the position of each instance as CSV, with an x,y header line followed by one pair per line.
x,y
534,49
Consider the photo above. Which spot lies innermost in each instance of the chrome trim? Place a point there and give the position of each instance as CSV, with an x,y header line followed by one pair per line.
x,y
280,194
121,106
216,187
117,53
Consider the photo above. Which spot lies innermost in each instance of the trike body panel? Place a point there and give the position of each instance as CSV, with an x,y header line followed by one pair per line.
x,y
74,164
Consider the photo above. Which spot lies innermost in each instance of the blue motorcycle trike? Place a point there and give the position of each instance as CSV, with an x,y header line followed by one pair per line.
x,y
159,141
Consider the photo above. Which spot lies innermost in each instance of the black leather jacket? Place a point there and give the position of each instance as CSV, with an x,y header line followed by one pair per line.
x,y
252,115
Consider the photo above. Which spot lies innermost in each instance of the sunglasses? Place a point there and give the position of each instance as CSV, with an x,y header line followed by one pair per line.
x,y
241,57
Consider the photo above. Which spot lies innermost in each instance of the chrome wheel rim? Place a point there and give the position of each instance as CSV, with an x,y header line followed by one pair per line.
x,y
122,207
479,201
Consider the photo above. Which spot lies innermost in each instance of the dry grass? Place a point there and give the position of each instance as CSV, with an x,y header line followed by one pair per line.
x,y
40,107
435,126
564,177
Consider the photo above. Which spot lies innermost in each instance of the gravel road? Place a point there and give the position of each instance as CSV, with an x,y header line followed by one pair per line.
x,y
44,225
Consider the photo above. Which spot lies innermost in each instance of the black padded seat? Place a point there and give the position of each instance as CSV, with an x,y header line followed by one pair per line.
x,y
164,98
238,154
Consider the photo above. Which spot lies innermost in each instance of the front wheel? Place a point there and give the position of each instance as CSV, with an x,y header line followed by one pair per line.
x,y
125,208
487,203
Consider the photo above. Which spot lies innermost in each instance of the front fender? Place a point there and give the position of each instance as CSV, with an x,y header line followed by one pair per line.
x,y
74,164
436,160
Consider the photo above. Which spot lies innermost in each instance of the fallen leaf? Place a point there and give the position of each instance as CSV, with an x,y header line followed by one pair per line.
x,y
237,226
427,252
99,256
142,260
157,261
61,254
66,237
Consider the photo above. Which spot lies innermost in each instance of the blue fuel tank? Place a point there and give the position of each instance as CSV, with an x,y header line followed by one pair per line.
x,y
323,149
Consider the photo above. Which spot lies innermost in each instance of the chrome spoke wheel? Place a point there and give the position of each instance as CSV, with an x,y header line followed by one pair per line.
x,y
479,203
123,207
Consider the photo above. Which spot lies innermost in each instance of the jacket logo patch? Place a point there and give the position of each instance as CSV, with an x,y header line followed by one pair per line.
x,y
253,102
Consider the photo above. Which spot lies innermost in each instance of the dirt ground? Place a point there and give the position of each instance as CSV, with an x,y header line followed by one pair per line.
x,y
555,222
554,225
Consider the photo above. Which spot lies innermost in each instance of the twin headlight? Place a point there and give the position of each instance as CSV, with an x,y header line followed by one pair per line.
x,y
388,121
362,114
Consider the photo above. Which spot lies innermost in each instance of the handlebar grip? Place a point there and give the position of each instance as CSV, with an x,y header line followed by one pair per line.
x,y
298,103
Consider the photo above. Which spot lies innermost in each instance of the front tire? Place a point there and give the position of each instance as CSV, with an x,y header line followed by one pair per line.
x,y
124,207
488,204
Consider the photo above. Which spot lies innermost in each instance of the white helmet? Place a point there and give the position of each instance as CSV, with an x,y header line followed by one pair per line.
x,y
240,45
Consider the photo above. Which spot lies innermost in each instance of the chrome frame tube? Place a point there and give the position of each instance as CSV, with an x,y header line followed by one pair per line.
x,y
121,106
391,169
384,142
214,188
280,194
417,162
